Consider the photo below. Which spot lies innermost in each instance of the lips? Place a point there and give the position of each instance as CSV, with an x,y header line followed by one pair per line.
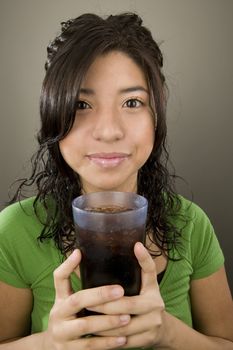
x,y
108,160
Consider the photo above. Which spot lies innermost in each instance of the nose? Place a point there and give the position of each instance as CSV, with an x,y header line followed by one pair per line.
x,y
108,126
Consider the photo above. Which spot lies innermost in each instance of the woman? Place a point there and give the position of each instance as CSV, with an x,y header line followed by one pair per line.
x,y
103,127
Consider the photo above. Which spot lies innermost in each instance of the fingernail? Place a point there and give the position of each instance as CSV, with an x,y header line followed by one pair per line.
x,y
121,340
73,255
116,292
124,318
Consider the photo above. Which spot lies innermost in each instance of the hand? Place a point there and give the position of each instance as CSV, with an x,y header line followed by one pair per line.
x,y
146,326
65,330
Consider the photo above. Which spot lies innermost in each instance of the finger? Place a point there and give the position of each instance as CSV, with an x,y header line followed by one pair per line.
x,y
141,340
77,272
133,305
62,275
149,273
98,343
79,327
88,298
136,325
145,260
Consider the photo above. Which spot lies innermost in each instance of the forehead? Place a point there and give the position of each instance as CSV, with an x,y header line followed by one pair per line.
x,y
115,68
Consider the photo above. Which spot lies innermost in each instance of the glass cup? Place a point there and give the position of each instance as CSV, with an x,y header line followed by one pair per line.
x,y
107,226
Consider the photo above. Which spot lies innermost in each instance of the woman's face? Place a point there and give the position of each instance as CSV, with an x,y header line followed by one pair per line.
x,y
113,132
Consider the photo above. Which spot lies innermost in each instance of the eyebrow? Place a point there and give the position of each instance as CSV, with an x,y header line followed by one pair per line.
x,y
87,91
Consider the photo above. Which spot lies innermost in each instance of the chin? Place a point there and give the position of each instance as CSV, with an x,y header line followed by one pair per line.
x,y
109,187
111,183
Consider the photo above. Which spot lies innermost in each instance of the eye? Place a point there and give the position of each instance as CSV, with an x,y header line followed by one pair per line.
x,y
133,103
82,105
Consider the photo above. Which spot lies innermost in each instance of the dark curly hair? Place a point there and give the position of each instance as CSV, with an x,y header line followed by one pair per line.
x,y
70,55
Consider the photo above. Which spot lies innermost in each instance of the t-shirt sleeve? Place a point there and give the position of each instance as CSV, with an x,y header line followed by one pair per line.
x,y
207,255
11,271
8,273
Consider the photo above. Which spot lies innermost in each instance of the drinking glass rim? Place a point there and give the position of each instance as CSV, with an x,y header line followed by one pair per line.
x,y
142,198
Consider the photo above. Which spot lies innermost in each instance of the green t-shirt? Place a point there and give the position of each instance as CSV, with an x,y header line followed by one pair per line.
x,y
27,263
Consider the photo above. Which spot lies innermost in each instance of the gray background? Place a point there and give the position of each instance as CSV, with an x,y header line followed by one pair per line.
x,y
197,42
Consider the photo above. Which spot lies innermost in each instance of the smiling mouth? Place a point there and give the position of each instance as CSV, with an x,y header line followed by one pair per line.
x,y
108,160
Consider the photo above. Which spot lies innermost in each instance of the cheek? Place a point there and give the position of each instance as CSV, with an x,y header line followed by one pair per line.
x,y
62,146
148,143
151,130
148,139
144,133
66,147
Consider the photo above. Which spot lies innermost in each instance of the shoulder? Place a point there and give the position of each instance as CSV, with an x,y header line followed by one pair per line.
x,y
20,225
19,219
191,216
190,208
200,243
18,208
24,260
192,220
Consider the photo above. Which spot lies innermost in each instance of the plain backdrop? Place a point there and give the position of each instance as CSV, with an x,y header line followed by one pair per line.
x,y
196,39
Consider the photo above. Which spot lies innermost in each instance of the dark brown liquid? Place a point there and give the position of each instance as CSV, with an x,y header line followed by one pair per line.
x,y
108,258
108,209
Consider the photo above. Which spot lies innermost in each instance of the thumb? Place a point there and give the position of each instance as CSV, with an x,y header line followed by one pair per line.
x,y
149,272
62,275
